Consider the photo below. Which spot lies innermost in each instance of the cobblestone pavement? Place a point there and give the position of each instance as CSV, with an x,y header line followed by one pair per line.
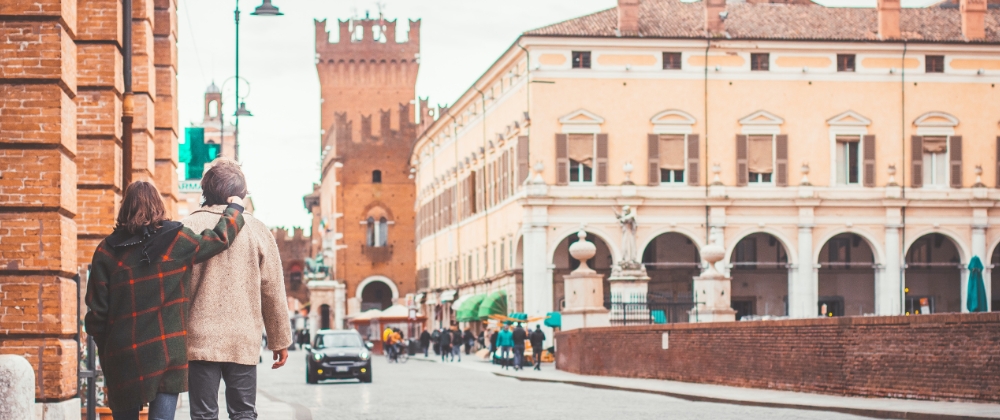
x,y
423,390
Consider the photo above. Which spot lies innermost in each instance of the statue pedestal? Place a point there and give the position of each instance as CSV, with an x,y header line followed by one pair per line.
x,y
629,286
584,291
712,299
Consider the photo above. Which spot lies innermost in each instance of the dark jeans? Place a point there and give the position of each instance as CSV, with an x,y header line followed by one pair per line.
x,y
425,347
241,390
161,408
536,353
518,356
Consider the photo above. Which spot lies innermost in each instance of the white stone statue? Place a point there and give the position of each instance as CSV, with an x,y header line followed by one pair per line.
x,y
630,257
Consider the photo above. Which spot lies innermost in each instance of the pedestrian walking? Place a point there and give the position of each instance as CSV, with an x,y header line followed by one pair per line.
x,y
234,298
537,339
456,343
144,267
493,344
425,341
436,341
445,342
470,340
519,335
506,341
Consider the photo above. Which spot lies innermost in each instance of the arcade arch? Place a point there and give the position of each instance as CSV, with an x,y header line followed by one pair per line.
x,y
760,272
933,275
376,292
672,260
846,276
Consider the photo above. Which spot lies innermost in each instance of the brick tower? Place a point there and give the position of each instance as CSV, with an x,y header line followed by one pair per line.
x,y
365,198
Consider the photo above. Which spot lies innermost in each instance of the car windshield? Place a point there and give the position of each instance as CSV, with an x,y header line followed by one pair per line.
x,y
338,340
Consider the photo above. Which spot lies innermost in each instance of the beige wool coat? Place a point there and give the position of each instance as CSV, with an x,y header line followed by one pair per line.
x,y
237,294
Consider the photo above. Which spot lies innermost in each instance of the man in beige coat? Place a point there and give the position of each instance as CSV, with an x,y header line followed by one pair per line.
x,y
234,298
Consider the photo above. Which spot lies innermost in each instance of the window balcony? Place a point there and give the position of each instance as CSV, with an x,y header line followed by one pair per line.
x,y
377,254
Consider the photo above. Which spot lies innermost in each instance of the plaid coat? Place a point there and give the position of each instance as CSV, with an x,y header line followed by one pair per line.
x,y
137,297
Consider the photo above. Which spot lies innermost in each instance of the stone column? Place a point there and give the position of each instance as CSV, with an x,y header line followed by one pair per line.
x,y
537,282
17,388
803,290
584,290
713,290
888,294
340,305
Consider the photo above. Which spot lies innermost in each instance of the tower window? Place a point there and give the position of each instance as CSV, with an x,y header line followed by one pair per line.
x,y
376,177
581,59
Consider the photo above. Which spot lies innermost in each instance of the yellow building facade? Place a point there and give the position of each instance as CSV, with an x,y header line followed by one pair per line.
x,y
846,159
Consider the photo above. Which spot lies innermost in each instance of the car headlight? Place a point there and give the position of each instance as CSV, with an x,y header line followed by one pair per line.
x,y
317,356
363,355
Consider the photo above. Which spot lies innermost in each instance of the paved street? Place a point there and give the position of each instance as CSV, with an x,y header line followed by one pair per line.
x,y
426,390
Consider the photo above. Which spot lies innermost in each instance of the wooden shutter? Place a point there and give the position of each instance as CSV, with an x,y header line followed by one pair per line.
x,y
741,160
523,164
955,155
869,162
506,173
602,159
562,159
653,149
781,160
916,161
693,162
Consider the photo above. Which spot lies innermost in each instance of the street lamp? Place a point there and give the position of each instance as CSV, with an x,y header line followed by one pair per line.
x,y
265,9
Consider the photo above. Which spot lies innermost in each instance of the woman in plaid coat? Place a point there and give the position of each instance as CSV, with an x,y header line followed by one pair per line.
x,y
137,296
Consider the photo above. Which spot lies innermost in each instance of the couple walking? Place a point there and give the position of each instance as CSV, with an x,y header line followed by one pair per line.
x,y
513,339
179,306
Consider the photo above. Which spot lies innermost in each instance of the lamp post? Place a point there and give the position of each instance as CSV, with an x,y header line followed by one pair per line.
x,y
265,9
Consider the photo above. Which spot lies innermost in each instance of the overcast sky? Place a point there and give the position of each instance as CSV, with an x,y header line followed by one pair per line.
x,y
279,145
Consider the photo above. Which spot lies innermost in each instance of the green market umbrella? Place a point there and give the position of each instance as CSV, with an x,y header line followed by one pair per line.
x,y
468,311
976,296
494,304
554,320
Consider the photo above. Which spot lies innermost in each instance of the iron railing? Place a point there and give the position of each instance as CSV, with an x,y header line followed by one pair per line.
x,y
638,309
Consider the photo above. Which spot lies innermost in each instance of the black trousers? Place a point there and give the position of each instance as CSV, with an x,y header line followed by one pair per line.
x,y
203,388
536,354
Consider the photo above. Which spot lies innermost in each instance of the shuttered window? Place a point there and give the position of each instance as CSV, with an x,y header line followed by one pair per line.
x,y
760,158
848,160
523,163
935,161
581,158
671,162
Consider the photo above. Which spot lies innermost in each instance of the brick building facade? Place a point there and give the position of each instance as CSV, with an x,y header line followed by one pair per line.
x,y
61,93
293,249
363,206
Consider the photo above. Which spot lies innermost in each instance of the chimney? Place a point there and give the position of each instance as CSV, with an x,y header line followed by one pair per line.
x,y
628,17
715,15
888,19
973,18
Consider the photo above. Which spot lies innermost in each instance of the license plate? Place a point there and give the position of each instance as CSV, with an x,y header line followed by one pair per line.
x,y
342,368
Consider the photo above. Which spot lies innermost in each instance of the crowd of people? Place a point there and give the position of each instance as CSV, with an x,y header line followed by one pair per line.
x,y
506,345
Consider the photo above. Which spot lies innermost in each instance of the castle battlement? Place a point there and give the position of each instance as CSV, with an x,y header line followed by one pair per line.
x,y
363,47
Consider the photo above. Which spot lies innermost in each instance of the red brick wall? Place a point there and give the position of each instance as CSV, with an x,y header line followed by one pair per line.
x,y
937,357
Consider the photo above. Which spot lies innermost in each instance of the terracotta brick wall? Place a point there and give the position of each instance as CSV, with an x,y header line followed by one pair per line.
x,y
61,91
946,357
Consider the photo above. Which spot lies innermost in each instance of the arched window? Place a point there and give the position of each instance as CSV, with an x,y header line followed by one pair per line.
x,y
371,231
376,177
383,232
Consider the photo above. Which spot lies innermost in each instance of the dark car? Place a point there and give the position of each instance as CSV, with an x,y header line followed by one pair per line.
x,y
338,354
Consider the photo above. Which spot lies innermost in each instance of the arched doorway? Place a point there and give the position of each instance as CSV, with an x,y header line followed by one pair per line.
x,y
376,295
760,276
846,276
672,261
565,264
933,276
324,317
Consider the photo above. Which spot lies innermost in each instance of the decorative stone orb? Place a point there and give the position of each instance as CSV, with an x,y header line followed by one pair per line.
x,y
583,249
713,253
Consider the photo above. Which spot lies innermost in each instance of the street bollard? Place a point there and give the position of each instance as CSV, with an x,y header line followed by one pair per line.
x,y
17,388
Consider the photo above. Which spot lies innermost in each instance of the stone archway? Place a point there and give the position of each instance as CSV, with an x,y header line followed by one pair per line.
x,y
759,271
672,260
846,276
933,275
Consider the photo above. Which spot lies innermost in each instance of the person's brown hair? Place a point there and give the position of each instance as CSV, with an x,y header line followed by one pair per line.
x,y
225,179
141,206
